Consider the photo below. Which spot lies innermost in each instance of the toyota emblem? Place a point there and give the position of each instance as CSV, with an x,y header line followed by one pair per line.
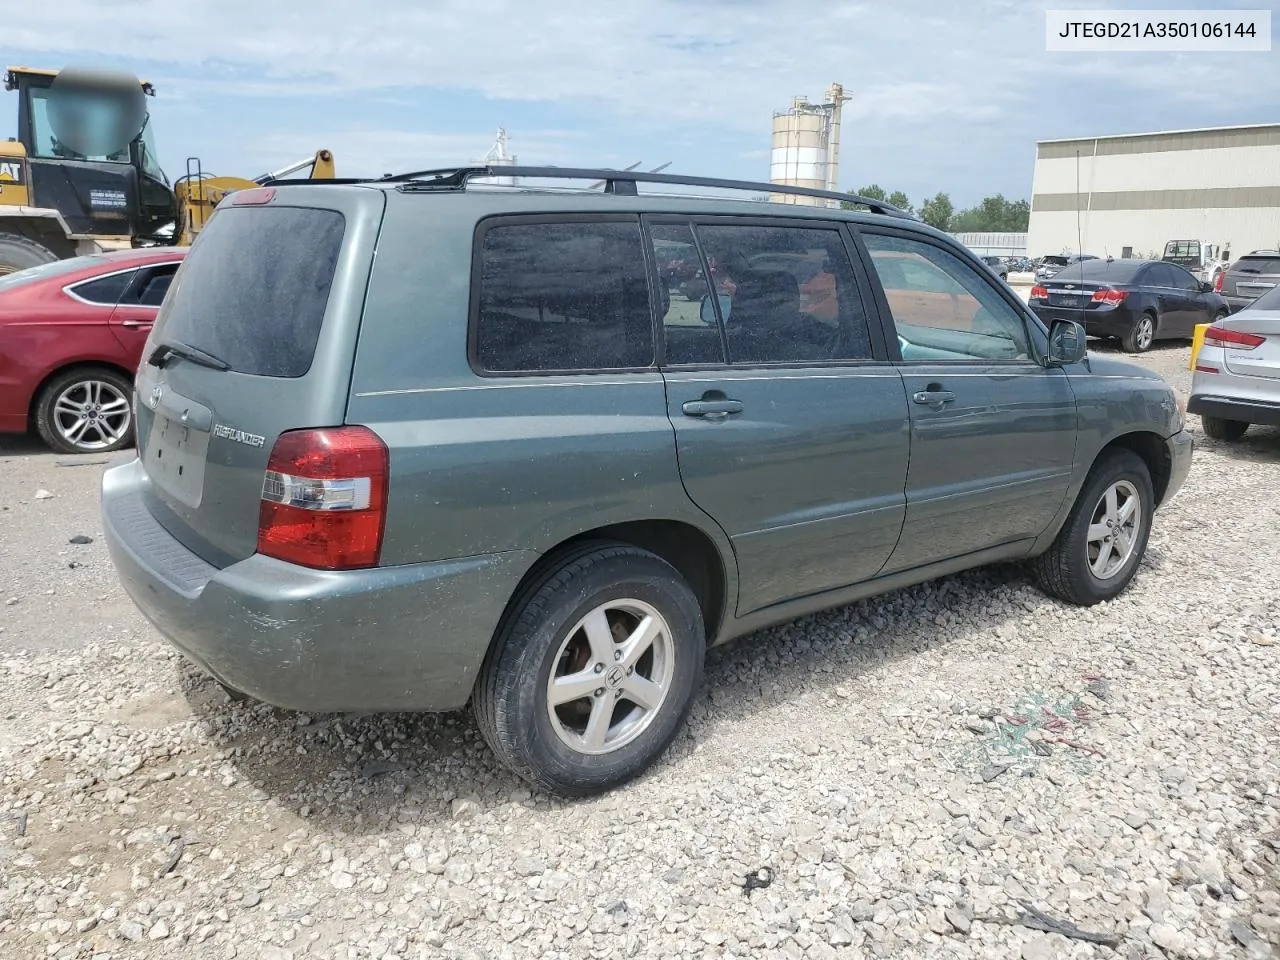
x,y
156,392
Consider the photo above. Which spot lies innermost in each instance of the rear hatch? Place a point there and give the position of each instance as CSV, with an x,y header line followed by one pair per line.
x,y
256,337
1257,352
1251,276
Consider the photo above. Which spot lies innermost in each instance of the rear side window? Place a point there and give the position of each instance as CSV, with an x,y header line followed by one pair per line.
x,y
105,291
563,296
151,286
254,288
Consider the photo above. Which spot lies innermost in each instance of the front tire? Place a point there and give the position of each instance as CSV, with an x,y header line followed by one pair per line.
x,y
592,673
1143,334
1099,548
86,410
1220,429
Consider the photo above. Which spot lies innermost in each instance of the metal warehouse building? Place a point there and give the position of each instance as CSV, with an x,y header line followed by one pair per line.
x,y
1135,192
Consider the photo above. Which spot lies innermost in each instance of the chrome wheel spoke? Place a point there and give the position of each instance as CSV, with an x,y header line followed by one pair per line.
x,y
65,406
1098,531
598,725
114,407
643,693
575,686
1112,503
1127,510
640,641
599,636
1099,564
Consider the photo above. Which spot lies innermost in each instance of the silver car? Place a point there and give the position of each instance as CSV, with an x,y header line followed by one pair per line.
x,y
1237,371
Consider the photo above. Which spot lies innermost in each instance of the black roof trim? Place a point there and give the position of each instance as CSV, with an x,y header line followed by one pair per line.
x,y
619,182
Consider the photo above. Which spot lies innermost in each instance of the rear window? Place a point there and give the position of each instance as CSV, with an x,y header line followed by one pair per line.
x,y
254,288
1268,301
563,296
1115,271
1253,265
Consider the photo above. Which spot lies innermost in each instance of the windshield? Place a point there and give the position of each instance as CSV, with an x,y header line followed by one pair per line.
x,y
98,113
150,163
22,278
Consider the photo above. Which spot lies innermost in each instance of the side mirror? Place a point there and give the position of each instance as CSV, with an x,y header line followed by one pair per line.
x,y
1206,287
1066,343
707,312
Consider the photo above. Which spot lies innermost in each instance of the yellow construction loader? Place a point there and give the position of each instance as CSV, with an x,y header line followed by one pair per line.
x,y
63,195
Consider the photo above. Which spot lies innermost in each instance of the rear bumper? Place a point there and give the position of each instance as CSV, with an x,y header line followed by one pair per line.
x,y
408,637
1112,323
1227,408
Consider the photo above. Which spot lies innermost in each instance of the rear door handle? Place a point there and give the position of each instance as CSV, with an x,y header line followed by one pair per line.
x,y
933,398
137,323
711,409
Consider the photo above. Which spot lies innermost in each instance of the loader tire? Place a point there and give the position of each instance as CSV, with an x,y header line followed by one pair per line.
x,y
19,253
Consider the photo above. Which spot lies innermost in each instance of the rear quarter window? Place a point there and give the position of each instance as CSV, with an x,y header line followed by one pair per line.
x,y
254,288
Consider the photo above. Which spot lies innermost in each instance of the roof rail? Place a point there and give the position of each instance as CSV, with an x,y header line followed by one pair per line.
x,y
619,182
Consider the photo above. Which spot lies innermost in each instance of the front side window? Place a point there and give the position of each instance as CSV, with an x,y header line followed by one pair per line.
x,y
563,296
943,308
786,294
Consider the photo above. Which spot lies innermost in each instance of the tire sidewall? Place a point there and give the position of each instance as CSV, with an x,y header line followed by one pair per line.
x,y
46,424
529,655
1121,466
1132,344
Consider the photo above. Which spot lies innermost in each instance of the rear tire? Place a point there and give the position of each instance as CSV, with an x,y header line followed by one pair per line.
x,y
546,651
1075,568
1220,429
19,253
1143,334
86,410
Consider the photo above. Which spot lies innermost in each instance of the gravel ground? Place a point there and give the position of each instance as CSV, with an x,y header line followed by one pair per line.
x,y
915,775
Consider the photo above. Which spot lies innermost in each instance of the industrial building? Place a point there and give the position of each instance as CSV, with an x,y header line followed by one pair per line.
x,y
806,147
1127,196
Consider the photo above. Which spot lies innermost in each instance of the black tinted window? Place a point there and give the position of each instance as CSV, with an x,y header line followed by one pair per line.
x,y
1253,265
105,290
150,286
254,288
563,296
786,294
1161,275
690,331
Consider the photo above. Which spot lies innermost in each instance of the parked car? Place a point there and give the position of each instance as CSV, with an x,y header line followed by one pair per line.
x,y
1136,301
997,265
519,474
71,336
1237,374
1249,278
1021,265
1051,265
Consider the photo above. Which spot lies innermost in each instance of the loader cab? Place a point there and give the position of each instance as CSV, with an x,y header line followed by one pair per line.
x,y
119,192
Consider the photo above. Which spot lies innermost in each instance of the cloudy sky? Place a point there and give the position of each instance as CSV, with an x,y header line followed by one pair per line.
x,y
946,95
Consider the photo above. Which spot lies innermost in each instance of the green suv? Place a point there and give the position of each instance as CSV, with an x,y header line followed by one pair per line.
x,y
425,441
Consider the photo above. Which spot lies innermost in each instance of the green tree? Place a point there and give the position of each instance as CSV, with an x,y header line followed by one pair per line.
x,y
993,215
873,192
936,211
901,201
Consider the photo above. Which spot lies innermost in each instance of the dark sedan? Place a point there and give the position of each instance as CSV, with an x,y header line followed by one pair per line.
x,y
1136,301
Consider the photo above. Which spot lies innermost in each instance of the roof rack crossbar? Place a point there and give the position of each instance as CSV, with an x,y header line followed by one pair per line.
x,y
620,182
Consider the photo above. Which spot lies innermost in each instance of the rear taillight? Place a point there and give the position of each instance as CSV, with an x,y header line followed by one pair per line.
x,y
324,498
1109,296
1039,293
1218,281
1231,339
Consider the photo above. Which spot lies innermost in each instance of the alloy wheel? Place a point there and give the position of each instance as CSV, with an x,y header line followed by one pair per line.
x,y
1114,529
91,414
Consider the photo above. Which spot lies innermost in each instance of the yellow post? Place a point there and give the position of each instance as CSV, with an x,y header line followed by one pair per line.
x,y
1197,341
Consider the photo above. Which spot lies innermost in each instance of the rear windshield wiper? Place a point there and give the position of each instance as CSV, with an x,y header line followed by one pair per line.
x,y
187,352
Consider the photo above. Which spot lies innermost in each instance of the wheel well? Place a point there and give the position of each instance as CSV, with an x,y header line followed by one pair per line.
x,y
1154,453
82,365
682,545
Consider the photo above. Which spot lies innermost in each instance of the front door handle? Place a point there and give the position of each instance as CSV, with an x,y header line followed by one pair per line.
x,y
711,409
933,398
137,323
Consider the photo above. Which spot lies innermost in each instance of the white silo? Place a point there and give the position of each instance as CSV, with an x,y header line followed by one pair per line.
x,y
806,147
500,156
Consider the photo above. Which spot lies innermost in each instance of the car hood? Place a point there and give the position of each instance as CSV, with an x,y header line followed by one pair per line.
x,y
1104,366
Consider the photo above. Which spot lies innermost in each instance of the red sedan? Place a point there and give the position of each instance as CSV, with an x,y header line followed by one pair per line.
x,y
71,338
